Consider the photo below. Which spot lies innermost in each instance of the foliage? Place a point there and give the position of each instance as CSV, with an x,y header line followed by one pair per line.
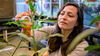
x,y
83,35
28,30
95,20
93,47
79,38
31,36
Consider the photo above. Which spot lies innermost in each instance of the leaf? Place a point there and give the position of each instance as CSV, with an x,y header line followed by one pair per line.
x,y
42,51
3,46
79,38
30,39
2,40
31,5
6,50
47,20
25,36
18,23
93,47
95,20
10,37
23,55
44,32
25,47
9,44
37,26
57,34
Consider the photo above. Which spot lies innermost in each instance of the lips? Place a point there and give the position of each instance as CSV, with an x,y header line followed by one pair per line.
x,y
62,22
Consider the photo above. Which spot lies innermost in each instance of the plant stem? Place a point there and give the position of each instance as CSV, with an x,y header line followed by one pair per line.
x,y
17,47
34,44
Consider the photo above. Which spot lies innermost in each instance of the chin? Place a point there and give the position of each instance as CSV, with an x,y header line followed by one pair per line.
x,y
65,28
62,27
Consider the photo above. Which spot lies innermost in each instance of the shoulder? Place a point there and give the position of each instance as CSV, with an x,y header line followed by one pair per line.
x,y
83,44
79,50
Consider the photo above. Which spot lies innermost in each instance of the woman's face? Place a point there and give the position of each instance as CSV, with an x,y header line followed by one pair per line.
x,y
67,18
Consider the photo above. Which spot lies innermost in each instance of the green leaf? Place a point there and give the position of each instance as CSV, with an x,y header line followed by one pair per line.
x,y
2,40
25,36
30,39
10,37
3,46
23,55
95,20
9,44
25,47
93,47
42,51
36,26
47,20
44,32
18,23
57,34
79,38
32,6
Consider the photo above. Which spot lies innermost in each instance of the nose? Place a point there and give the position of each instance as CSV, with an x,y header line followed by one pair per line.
x,y
64,17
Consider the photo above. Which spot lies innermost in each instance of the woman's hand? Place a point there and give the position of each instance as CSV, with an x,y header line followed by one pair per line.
x,y
18,16
45,54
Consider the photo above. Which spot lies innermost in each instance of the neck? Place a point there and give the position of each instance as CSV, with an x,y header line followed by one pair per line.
x,y
66,33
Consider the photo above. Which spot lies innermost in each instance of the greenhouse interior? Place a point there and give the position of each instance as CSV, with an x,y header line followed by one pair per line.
x,y
49,27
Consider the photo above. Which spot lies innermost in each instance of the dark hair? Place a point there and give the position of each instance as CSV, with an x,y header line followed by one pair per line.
x,y
77,29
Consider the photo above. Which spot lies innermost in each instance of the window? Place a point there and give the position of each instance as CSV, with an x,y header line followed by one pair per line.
x,y
92,10
48,7
21,6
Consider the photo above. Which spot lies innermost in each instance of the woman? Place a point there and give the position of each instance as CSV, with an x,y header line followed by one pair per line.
x,y
70,24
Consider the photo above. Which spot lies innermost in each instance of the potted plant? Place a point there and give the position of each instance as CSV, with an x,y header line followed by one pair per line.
x,y
29,36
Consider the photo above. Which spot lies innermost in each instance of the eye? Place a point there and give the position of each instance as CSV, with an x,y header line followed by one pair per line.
x,y
70,15
61,13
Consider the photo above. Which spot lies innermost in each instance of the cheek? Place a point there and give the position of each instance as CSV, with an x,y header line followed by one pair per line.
x,y
73,23
63,26
70,24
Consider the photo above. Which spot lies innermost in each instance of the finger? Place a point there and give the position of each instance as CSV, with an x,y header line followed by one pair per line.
x,y
45,54
22,14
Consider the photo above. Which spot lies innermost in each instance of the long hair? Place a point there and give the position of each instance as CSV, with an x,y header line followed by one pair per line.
x,y
77,29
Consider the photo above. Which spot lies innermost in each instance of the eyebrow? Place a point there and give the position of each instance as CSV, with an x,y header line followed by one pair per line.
x,y
69,12
62,11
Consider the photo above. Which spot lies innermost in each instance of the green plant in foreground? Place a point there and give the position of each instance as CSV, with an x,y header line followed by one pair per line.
x,y
30,37
32,40
94,47
83,35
